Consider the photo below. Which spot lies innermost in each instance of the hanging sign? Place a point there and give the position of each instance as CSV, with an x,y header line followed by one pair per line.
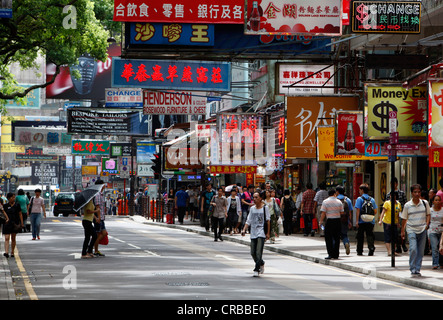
x,y
171,74
386,17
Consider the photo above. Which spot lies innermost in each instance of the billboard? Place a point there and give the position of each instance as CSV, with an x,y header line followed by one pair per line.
x,y
304,114
411,107
156,102
171,74
315,17
435,136
185,11
349,133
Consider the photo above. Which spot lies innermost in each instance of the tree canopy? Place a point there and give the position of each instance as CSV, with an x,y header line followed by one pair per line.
x,y
60,30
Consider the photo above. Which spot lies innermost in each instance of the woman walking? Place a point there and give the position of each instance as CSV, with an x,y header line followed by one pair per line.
x,y
90,233
257,219
434,231
36,208
272,208
14,223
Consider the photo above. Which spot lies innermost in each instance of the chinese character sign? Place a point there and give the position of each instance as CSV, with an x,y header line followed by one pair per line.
x,y
187,34
315,17
435,157
90,147
317,76
386,17
172,75
411,107
186,11
435,136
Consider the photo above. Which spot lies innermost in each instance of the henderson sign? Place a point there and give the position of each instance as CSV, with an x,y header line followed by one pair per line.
x,y
173,103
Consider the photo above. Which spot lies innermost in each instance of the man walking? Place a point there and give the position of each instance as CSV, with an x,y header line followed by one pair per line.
x,y
332,209
416,217
345,219
205,201
307,209
366,209
181,203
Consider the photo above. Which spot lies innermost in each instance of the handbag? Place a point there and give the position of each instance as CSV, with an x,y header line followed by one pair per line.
x,y
105,240
16,227
30,207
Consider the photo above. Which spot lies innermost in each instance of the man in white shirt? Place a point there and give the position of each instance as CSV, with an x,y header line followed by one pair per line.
x,y
416,217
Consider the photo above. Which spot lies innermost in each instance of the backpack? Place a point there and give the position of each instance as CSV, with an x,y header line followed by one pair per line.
x,y
367,210
344,218
289,205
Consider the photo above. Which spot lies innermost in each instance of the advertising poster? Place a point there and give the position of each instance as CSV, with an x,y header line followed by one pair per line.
x,y
411,107
305,114
87,121
314,17
349,133
435,136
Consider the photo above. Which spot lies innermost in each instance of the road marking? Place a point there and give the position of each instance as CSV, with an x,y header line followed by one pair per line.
x,y
76,255
226,257
31,293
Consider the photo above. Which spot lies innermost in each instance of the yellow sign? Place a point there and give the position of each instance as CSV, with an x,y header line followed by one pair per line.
x,y
89,170
410,105
435,138
325,147
7,146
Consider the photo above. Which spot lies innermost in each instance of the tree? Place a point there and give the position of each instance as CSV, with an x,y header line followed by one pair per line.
x,y
61,30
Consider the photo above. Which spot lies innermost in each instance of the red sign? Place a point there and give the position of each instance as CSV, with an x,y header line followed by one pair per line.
x,y
186,11
436,157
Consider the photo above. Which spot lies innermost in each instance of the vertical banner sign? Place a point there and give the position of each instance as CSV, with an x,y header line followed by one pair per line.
x,y
386,17
410,105
304,114
435,136
349,133
278,17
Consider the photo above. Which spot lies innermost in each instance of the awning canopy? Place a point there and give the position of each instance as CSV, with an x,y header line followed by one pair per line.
x,y
423,76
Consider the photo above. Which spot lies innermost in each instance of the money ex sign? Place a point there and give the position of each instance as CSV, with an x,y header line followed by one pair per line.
x,y
410,105
173,103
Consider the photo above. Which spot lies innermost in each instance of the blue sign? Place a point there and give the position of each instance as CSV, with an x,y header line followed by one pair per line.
x,y
171,74
187,34
145,151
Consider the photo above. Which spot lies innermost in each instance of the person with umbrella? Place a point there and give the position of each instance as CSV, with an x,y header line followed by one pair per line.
x,y
85,199
99,201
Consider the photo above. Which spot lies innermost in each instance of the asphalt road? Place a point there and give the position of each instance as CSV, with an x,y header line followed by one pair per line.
x,y
152,262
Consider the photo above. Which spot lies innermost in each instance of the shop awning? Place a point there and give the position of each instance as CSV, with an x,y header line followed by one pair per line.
x,y
422,76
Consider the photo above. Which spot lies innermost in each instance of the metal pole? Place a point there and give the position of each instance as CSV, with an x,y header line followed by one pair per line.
x,y
393,202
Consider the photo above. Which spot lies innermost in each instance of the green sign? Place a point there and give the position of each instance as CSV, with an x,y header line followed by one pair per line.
x,y
90,147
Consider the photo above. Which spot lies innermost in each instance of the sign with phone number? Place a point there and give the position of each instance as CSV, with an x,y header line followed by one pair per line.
x,y
379,149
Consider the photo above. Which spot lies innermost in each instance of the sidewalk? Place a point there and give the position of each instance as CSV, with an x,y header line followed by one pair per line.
x,y
314,249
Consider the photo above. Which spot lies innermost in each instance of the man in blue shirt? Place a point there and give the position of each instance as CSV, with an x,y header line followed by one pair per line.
x,y
365,226
181,203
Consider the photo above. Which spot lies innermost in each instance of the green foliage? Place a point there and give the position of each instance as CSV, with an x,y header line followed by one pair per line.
x,y
41,27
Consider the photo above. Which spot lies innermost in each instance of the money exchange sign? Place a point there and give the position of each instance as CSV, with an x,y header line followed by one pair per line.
x,y
411,108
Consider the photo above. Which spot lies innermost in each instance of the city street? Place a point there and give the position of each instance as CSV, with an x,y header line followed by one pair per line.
x,y
154,262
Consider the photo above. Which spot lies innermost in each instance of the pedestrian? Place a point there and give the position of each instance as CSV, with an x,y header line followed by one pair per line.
x,y
320,196
233,211
435,229
205,201
274,212
35,208
190,212
181,202
431,194
14,223
99,222
257,219
331,210
108,204
220,213
288,208
385,218
345,219
400,243
366,209
3,214
297,197
308,209
90,235
246,203
440,191
416,217
23,201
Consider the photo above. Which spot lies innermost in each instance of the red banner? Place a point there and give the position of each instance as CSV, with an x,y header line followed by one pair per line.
x,y
436,157
186,11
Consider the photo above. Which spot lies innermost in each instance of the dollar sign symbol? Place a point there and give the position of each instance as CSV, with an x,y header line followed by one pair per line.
x,y
381,111
363,10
